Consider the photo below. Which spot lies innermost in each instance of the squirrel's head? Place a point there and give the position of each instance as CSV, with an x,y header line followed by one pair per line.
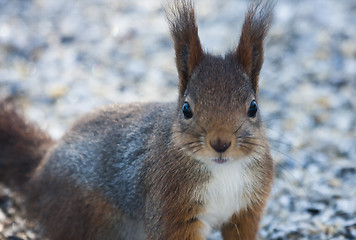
x,y
217,117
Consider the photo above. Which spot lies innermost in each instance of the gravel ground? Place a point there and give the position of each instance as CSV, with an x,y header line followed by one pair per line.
x,y
60,59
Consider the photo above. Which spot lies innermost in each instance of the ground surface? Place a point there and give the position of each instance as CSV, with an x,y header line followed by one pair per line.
x,y
60,59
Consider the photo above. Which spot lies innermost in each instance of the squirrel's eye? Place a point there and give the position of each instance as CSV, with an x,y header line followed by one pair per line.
x,y
252,111
187,111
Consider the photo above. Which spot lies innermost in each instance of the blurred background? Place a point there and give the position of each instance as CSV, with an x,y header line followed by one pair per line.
x,y
63,58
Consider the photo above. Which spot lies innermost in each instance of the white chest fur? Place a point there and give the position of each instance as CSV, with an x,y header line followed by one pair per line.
x,y
228,191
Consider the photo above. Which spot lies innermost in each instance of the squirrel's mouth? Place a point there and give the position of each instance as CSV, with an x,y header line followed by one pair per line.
x,y
221,160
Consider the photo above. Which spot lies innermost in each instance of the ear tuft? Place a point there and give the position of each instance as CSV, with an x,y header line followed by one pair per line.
x,y
249,52
184,31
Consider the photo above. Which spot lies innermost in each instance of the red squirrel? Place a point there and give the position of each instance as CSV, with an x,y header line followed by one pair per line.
x,y
156,171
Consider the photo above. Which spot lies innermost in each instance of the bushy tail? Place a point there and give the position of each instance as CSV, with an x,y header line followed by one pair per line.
x,y
22,146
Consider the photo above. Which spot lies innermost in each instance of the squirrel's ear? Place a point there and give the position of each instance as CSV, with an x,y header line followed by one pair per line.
x,y
184,31
249,52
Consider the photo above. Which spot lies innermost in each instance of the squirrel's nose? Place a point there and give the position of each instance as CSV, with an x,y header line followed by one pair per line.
x,y
219,145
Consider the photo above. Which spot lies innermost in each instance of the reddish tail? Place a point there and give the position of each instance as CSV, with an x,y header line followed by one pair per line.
x,y
22,146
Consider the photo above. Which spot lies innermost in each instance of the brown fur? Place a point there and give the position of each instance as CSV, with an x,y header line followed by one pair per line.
x,y
184,31
244,224
22,146
250,49
176,185
144,171
71,213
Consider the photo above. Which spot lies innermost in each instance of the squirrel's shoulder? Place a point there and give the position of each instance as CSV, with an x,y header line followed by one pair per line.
x,y
115,133
126,116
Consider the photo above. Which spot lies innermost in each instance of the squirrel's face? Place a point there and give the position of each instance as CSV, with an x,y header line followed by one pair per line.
x,y
218,119
218,115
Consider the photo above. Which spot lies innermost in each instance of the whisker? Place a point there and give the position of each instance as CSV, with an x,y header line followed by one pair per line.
x,y
244,135
275,118
243,146
298,181
286,170
254,144
203,130
274,130
269,147
240,126
274,147
193,134
290,176
196,150
281,142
